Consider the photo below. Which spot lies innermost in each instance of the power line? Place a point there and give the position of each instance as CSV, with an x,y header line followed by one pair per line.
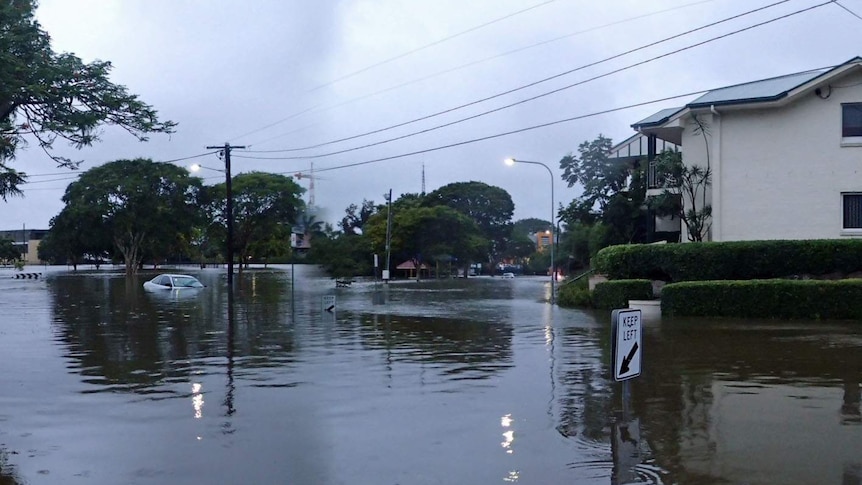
x,y
848,10
321,108
555,76
28,175
503,134
484,113
391,59
436,42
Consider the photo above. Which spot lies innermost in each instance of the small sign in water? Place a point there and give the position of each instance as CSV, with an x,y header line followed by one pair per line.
x,y
626,343
329,303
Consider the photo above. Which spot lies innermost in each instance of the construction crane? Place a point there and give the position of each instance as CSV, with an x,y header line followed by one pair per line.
x,y
311,178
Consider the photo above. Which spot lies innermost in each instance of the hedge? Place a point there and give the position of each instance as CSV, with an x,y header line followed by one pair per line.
x,y
738,260
616,294
788,299
575,294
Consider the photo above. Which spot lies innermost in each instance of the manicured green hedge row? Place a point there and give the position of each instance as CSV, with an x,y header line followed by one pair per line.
x,y
809,299
616,294
739,260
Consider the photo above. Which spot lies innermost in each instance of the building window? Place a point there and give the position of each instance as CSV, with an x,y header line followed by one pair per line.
x,y
852,210
851,120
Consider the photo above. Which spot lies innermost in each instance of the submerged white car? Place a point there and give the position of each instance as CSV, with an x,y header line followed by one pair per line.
x,y
172,282
508,276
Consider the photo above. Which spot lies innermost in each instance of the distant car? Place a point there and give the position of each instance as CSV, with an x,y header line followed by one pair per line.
x,y
508,276
172,282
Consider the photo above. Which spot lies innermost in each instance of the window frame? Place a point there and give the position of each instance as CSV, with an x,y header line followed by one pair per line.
x,y
851,135
854,229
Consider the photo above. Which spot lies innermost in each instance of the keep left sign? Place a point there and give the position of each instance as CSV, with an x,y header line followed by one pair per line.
x,y
626,343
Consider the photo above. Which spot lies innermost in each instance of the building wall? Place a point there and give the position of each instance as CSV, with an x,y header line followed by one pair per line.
x,y
779,173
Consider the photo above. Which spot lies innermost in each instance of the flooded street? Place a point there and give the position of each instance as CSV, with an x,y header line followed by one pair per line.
x,y
439,382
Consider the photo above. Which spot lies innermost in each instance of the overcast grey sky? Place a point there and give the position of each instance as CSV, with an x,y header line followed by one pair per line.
x,y
287,74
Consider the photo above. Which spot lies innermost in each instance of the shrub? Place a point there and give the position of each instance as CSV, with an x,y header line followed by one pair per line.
x,y
809,299
616,294
576,294
738,260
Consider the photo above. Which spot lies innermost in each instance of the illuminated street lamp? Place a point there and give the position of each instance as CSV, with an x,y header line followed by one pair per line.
x,y
512,161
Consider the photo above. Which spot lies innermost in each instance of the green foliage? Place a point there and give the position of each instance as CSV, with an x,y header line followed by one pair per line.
x,y
600,176
576,294
684,194
786,299
262,202
738,260
8,252
140,206
45,95
530,225
356,217
539,263
488,206
519,247
616,294
614,195
346,255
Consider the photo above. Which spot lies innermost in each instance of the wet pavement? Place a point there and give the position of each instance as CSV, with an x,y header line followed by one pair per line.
x,y
439,382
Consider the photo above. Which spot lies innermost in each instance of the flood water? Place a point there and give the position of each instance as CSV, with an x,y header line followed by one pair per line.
x,y
439,382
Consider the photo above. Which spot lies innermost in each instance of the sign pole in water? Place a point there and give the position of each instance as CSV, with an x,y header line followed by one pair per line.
x,y
626,350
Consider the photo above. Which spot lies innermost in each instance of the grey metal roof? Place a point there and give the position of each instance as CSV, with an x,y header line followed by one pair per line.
x,y
763,90
659,117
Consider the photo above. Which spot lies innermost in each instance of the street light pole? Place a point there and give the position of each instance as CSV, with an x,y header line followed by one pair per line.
x,y
228,208
512,161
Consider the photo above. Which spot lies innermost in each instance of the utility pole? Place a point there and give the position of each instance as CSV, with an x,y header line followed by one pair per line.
x,y
228,207
388,234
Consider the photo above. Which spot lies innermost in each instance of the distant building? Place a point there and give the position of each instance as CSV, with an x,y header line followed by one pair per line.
x,y
543,240
27,241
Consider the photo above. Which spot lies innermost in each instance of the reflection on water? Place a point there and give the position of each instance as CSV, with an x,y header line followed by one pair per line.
x,y
452,381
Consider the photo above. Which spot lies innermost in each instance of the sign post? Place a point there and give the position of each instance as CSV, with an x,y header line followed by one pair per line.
x,y
626,358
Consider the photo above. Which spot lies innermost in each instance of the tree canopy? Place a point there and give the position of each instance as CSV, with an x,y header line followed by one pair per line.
x,y
490,207
46,95
265,204
426,233
138,205
356,217
8,252
612,204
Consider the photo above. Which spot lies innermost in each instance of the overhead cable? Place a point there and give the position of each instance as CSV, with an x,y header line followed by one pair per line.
x,y
400,56
321,108
555,76
533,98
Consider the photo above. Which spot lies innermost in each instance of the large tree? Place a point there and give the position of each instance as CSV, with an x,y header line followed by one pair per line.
x,y
46,95
262,202
8,252
355,217
71,238
490,207
142,206
600,176
614,193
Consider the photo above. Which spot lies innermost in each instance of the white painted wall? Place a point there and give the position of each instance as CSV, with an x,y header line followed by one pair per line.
x,y
779,173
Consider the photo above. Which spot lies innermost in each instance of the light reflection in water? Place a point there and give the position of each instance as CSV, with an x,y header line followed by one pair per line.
x,y
508,435
513,476
197,400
